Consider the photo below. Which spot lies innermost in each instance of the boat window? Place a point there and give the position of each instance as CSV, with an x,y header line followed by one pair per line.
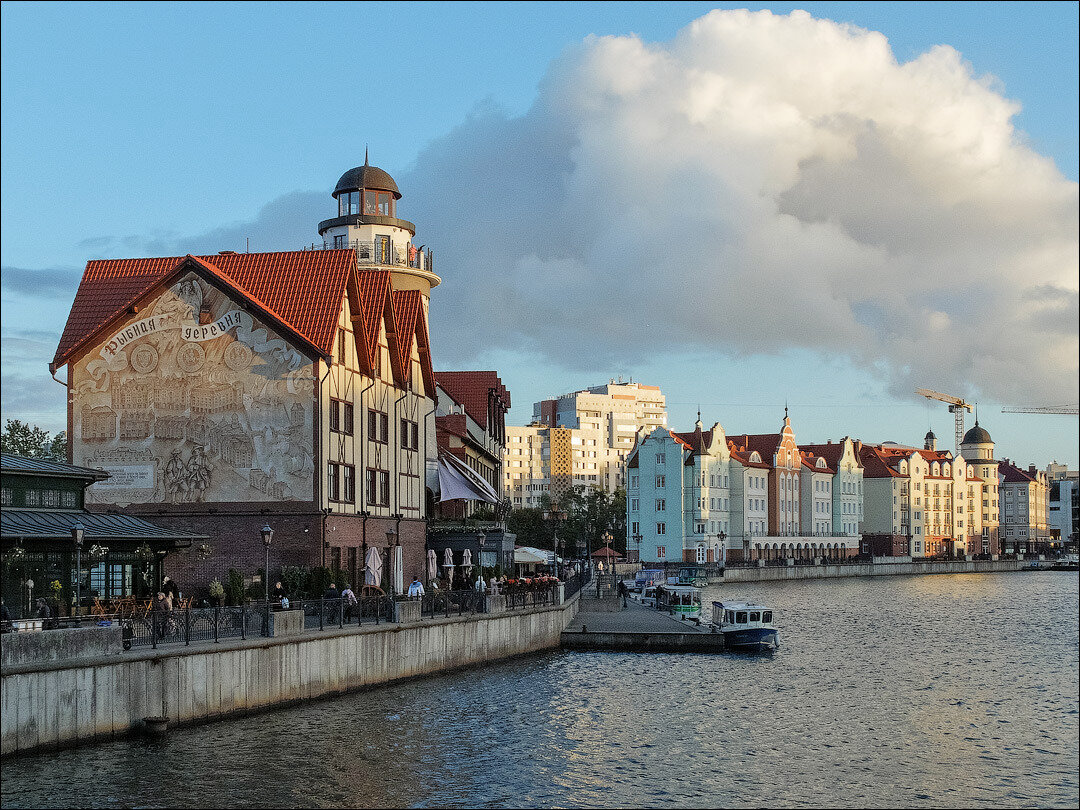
x,y
740,617
767,616
727,617
755,616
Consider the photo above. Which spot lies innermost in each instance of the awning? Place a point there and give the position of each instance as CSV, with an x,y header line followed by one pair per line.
x,y
523,557
457,481
35,524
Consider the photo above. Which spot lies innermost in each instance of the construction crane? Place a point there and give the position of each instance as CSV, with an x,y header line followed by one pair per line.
x,y
1065,410
957,407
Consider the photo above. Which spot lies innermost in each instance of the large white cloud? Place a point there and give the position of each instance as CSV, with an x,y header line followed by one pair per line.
x,y
759,183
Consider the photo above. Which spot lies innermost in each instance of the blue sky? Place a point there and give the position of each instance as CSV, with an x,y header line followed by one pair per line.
x,y
133,129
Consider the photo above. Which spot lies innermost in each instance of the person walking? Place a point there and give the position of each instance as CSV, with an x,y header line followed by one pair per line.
x,y
348,601
621,590
331,593
416,588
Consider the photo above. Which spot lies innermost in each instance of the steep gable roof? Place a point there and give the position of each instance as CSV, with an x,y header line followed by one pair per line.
x,y
300,290
471,389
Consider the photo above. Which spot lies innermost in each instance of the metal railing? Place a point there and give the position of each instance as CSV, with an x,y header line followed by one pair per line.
x,y
531,597
434,604
175,626
323,613
374,253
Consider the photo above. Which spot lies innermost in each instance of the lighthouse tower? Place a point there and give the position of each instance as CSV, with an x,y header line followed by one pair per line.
x,y
367,221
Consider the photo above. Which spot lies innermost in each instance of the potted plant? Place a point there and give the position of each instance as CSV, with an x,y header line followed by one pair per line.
x,y
217,592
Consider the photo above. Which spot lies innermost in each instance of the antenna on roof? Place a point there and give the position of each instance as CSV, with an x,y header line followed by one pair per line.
x,y
248,240
365,155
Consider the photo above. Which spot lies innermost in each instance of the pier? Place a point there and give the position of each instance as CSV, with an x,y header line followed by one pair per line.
x,y
637,628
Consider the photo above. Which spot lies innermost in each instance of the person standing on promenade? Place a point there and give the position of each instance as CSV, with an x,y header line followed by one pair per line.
x,y
416,588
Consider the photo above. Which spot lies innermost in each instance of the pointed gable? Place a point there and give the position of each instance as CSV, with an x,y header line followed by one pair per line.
x,y
300,290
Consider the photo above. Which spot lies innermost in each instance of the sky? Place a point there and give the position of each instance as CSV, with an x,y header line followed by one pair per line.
x,y
821,206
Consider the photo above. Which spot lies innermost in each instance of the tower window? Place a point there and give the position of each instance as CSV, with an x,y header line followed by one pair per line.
x,y
348,203
377,203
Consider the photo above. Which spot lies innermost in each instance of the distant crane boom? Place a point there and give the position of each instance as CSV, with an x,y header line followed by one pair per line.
x,y
957,407
1065,410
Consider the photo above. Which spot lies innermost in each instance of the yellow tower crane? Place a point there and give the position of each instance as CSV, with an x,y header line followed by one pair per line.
x,y
957,407
1065,410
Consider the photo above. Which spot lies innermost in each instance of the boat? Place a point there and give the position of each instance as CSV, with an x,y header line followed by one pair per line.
x,y
645,578
745,625
682,601
695,576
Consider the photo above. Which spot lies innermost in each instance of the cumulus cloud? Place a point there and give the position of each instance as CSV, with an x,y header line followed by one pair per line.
x,y
759,183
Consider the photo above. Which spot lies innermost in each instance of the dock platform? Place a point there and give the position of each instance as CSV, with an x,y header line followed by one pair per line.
x,y
638,629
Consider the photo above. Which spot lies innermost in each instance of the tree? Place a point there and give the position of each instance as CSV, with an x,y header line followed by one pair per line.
x,y
21,439
591,512
530,527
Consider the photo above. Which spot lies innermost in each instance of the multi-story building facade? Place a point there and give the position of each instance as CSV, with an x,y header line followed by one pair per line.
x,y
847,484
1063,511
919,502
1025,502
470,424
288,389
606,420
977,448
706,497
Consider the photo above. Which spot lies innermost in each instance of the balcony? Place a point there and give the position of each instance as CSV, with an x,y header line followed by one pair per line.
x,y
382,254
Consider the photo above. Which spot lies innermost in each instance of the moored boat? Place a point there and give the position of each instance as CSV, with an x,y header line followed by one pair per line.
x,y
745,625
682,601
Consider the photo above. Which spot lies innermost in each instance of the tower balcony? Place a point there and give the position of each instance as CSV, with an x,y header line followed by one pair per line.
x,y
384,253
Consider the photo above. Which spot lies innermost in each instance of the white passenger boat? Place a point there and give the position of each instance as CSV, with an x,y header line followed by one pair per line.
x,y
682,601
745,625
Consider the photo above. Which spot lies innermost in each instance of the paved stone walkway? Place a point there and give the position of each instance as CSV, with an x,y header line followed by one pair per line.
x,y
636,618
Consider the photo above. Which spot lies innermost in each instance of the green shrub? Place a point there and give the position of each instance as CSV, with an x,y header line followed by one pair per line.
x,y
294,578
234,589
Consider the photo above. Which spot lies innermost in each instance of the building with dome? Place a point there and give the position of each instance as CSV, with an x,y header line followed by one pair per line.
x,y
977,449
226,392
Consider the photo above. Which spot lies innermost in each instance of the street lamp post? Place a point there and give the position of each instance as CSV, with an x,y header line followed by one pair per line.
x,y
77,532
481,539
637,538
556,516
392,543
267,538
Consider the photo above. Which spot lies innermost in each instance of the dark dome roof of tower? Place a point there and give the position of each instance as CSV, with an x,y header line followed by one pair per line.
x,y
977,435
365,176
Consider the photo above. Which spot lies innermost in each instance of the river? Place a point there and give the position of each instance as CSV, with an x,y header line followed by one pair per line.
x,y
944,690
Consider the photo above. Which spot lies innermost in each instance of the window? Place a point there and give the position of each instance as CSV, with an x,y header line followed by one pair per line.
x,y
378,427
740,617
68,499
384,487
660,482
633,481
334,482
661,528
661,505
755,616
341,346
634,504
371,485
50,498
335,557
410,435
635,528
341,416
659,458
348,480
377,203
699,529
339,240
6,496
661,551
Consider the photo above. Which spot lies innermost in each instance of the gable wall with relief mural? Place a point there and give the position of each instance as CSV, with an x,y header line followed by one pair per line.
x,y
194,400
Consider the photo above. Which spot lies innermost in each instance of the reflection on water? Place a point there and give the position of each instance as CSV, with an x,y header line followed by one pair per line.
x,y
922,691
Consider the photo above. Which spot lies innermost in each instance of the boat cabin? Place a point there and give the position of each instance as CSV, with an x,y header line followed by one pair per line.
x,y
741,613
680,599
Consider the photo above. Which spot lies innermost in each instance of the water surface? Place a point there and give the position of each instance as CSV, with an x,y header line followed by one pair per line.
x,y
944,690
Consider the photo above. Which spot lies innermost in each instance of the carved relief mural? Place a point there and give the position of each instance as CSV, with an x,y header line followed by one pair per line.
x,y
196,402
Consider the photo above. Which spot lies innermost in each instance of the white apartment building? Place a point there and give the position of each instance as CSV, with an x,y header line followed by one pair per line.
x,y
605,420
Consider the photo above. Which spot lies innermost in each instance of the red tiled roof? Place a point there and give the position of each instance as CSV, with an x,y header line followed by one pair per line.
x,y
301,290
764,443
471,388
832,452
876,462
1012,474
810,460
697,441
742,455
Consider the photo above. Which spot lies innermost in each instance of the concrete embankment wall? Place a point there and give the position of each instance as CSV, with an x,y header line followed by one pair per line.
x,y
878,569
66,702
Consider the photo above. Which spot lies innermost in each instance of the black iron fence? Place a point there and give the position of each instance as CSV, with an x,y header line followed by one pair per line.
x,y
323,613
176,626
451,603
532,597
